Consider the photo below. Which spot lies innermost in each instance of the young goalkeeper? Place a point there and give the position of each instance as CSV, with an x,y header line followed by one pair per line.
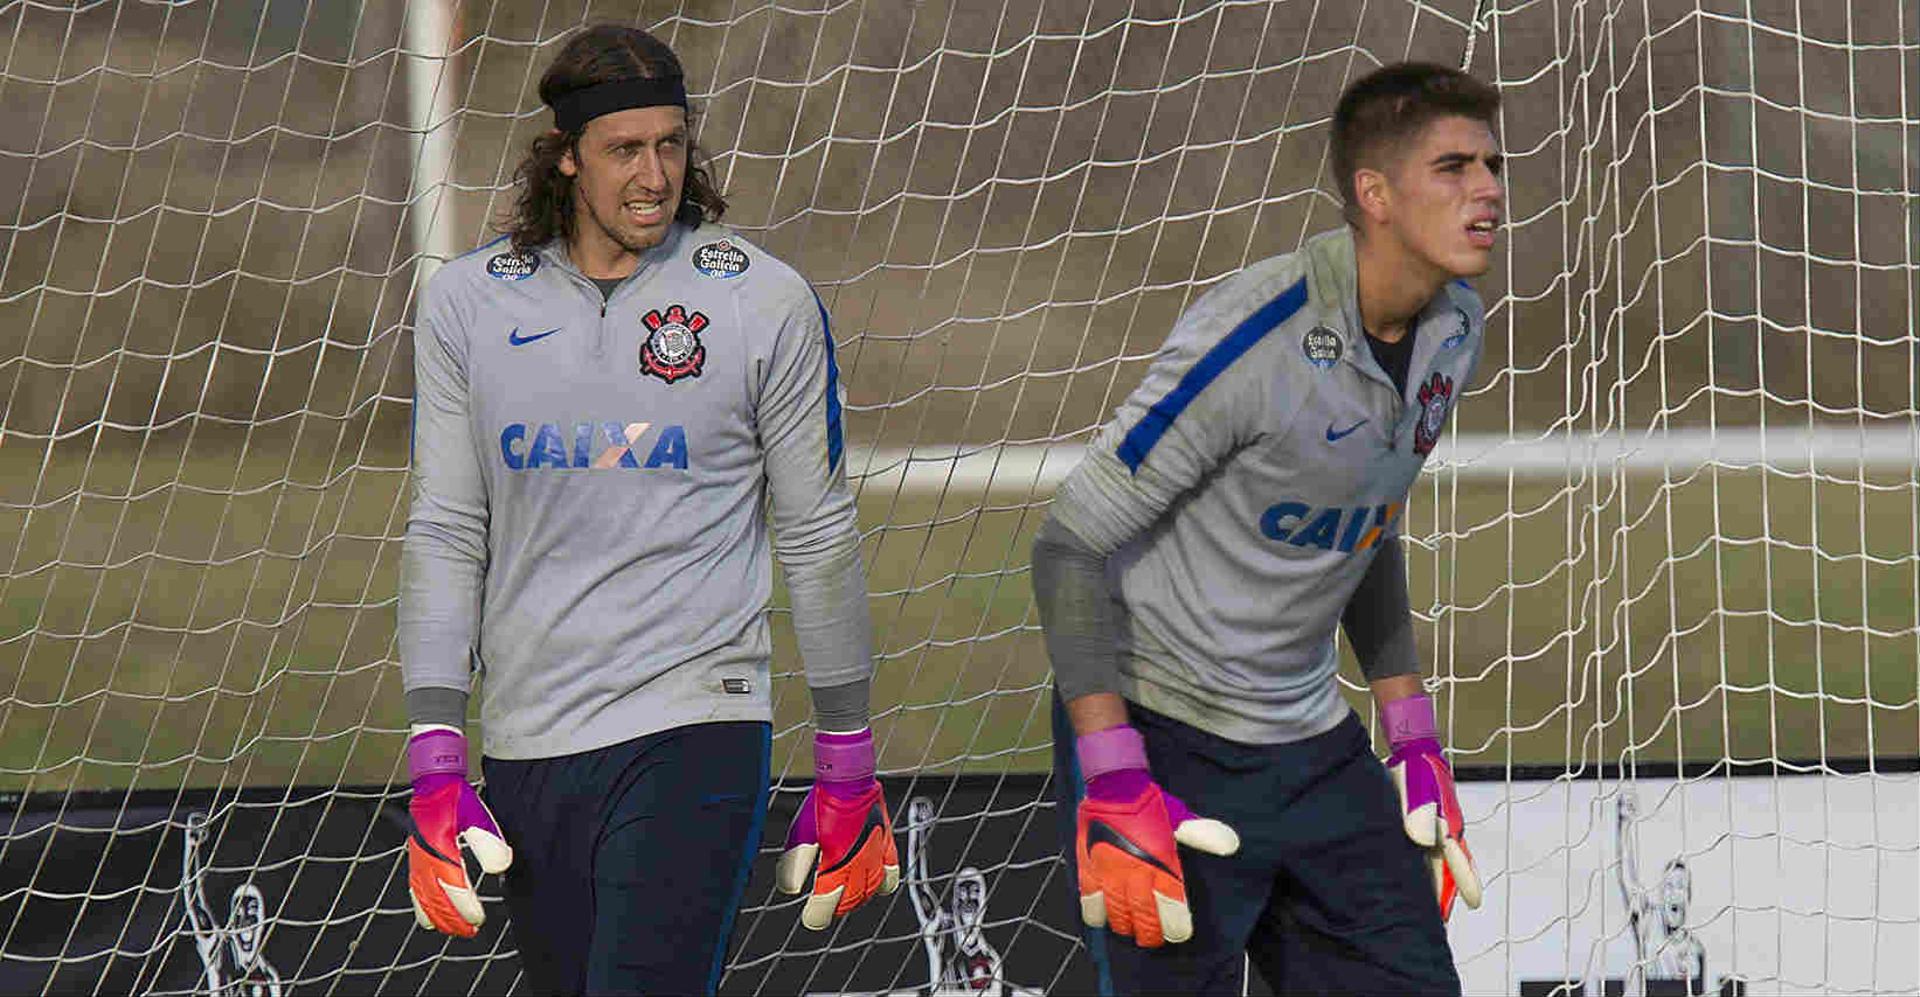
x,y
1244,502
604,409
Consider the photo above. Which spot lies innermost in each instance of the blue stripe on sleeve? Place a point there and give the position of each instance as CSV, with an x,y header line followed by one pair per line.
x,y
1140,440
836,445
483,247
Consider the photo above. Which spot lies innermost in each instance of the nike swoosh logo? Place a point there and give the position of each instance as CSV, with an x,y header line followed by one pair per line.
x,y
1336,435
515,339
421,840
1099,832
874,824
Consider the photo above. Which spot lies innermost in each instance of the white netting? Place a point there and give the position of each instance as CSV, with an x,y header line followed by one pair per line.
x,y
1676,520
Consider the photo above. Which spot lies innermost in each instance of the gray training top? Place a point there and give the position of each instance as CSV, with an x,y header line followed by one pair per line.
x,y
1241,493
591,486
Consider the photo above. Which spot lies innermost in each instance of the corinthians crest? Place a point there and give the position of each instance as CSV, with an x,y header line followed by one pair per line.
x,y
672,349
1436,399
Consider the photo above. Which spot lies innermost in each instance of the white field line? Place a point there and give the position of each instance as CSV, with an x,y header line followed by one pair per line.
x,y
1039,468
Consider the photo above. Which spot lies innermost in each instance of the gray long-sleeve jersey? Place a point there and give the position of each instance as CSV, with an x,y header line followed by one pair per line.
x,y
593,480
1241,493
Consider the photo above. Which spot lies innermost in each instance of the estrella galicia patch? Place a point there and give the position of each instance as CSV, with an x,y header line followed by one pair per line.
x,y
672,349
512,266
1460,335
1436,400
1322,347
721,260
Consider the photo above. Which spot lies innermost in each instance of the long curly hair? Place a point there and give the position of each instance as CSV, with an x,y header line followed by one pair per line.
x,y
599,54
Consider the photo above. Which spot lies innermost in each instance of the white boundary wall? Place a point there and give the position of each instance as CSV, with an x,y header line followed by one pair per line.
x,y
1800,883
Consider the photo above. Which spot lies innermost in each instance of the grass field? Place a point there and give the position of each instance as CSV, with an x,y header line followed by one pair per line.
x,y
232,622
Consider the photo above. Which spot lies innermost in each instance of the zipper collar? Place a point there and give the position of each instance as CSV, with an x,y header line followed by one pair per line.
x,y
1336,270
554,253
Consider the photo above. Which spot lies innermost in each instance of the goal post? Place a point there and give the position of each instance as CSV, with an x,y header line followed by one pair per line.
x,y
1663,562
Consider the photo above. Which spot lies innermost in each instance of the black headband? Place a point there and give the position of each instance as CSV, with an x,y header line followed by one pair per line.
x,y
573,110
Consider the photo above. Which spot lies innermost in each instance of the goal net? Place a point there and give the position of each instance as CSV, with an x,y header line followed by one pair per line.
x,y
1663,562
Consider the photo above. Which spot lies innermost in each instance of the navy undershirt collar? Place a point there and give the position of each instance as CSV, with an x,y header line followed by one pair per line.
x,y
1395,358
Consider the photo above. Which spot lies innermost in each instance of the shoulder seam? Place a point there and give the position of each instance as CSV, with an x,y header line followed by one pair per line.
x,y
483,247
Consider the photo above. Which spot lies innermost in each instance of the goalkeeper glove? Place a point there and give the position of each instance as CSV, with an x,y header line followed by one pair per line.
x,y
1130,876
446,811
846,815
1427,801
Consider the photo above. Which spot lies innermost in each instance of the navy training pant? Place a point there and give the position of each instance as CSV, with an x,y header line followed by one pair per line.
x,y
629,861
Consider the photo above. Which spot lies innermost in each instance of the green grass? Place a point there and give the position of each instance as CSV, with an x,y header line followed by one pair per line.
x,y
243,635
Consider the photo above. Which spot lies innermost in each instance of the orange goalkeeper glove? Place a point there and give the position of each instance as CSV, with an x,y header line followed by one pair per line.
x,y
1130,876
1431,809
446,811
843,824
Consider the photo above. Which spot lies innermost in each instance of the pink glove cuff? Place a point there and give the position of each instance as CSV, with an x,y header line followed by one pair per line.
x,y
1114,749
1409,719
843,758
436,752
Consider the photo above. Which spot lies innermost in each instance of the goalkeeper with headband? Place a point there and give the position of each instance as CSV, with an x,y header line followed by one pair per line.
x,y
616,404
1243,503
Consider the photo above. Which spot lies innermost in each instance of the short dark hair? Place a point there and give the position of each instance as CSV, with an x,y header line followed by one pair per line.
x,y
602,53
1385,109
